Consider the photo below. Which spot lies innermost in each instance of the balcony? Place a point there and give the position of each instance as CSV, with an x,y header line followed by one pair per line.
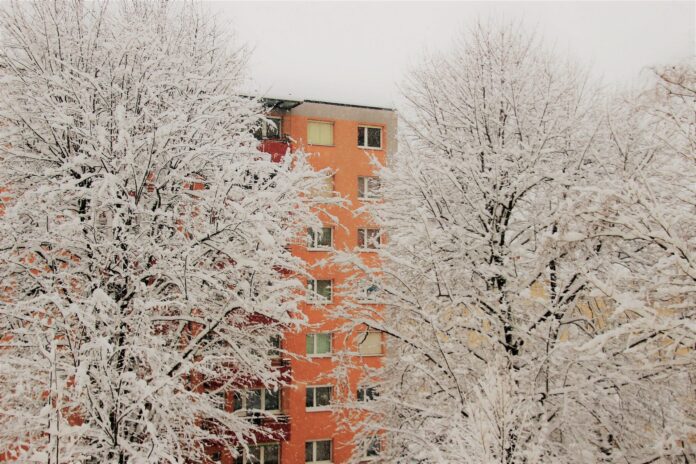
x,y
277,148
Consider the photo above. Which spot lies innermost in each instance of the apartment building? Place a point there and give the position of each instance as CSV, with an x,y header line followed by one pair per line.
x,y
343,138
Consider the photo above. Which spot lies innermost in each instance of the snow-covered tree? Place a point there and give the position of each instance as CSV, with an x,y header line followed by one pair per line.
x,y
505,343
143,259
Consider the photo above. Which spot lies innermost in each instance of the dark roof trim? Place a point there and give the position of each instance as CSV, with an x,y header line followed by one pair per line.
x,y
280,104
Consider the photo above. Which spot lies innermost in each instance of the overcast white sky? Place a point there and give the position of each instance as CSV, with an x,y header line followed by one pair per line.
x,y
356,52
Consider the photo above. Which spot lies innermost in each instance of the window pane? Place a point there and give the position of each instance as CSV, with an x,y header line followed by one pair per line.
x,y
361,238
222,400
373,185
273,129
237,401
373,238
323,343
361,136
320,133
323,450
253,399
374,447
370,343
324,239
324,289
374,137
272,400
275,343
361,187
309,400
309,451
271,454
254,454
371,292
310,344
323,396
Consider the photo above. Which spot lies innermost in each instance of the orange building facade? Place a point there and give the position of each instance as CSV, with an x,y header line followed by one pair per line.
x,y
342,139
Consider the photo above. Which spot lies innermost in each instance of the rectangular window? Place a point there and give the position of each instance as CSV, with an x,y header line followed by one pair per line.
x,y
320,238
320,133
370,343
325,189
265,453
221,400
318,397
319,291
257,400
374,447
275,341
318,344
367,393
369,239
369,187
318,451
369,137
270,129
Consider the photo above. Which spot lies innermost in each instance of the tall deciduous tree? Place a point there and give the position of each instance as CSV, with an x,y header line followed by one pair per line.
x,y
504,344
142,244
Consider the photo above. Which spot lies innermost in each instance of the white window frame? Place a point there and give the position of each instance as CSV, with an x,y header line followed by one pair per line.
x,y
367,193
244,409
314,353
313,297
314,398
246,459
312,240
314,451
362,337
364,231
381,136
333,133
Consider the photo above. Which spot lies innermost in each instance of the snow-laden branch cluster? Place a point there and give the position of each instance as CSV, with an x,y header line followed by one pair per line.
x,y
538,273
143,259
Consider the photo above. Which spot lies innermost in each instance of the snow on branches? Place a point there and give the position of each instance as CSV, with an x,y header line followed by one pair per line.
x,y
518,328
143,253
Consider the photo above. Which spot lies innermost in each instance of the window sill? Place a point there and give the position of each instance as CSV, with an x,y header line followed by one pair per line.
x,y
318,303
371,148
320,409
368,250
320,249
375,355
321,356
369,199
320,145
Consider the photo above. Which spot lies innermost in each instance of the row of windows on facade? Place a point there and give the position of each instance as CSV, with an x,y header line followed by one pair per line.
x,y
321,344
322,133
368,188
316,451
322,239
320,291
317,397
